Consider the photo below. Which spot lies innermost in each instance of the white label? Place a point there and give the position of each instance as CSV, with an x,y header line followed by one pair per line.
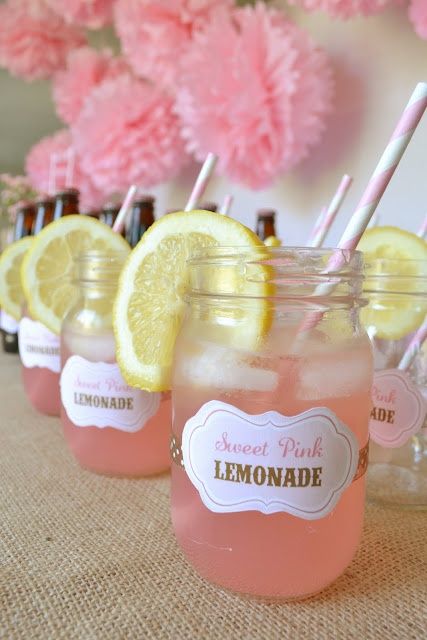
x,y
94,394
269,462
7,323
399,408
38,347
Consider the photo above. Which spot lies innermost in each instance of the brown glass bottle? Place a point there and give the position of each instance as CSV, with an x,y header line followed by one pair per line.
x,y
265,223
44,213
24,221
142,217
109,214
208,206
66,203
23,227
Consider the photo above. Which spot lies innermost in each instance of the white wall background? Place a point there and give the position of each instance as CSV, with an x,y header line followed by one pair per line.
x,y
377,62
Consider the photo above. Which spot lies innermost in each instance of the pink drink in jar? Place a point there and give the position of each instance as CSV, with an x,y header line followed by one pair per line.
x,y
40,358
270,442
110,427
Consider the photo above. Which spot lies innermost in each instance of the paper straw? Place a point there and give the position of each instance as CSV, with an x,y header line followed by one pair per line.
x,y
332,210
119,222
375,220
413,347
226,205
51,180
315,229
422,231
202,181
71,157
377,185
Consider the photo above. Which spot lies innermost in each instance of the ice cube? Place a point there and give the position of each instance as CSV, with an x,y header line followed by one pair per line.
x,y
335,375
225,369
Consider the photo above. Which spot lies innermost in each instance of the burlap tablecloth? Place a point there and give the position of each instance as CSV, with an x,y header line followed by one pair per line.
x,y
84,556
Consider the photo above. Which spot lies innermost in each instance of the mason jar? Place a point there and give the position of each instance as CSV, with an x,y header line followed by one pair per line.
x,y
270,419
397,293
110,427
41,363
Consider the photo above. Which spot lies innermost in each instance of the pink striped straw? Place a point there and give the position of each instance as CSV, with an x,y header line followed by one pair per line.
x,y
202,181
226,205
378,183
317,225
422,231
413,347
71,157
331,212
51,180
375,220
120,221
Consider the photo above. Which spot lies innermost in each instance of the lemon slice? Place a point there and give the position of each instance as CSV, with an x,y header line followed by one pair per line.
x,y
272,241
149,306
48,269
11,292
396,282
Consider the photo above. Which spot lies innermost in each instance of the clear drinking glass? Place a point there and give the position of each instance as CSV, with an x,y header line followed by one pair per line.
x,y
270,422
110,427
397,473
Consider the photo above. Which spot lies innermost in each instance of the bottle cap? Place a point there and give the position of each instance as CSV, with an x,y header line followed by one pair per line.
x,y
266,213
74,193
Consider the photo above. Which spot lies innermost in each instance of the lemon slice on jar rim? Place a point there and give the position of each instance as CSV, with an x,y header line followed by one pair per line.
x,y
48,270
396,281
149,305
11,291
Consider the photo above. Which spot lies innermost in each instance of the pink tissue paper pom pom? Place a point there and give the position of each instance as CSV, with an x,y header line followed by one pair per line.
x,y
261,109
92,14
127,134
38,163
418,17
154,33
34,41
86,68
345,8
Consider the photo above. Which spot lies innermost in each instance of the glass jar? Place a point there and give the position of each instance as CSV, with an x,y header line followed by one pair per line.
x,y
397,473
110,427
270,422
41,364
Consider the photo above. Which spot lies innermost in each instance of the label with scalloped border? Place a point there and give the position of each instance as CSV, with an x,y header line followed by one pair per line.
x,y
94,394
38,347
7,323
269,462
399,408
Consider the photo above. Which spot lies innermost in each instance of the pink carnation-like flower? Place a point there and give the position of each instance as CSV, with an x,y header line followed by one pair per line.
x,y
345,8
92,14
38,166
127,133
86,68
154,33
34,41
255,91
418,17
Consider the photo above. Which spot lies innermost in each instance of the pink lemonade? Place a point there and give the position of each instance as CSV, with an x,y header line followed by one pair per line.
x,y
111,427
275,555
109,450
270,441
40,357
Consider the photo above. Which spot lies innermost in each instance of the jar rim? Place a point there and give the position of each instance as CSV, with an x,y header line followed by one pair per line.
x,y
299,273
100,266
238,249
309,259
